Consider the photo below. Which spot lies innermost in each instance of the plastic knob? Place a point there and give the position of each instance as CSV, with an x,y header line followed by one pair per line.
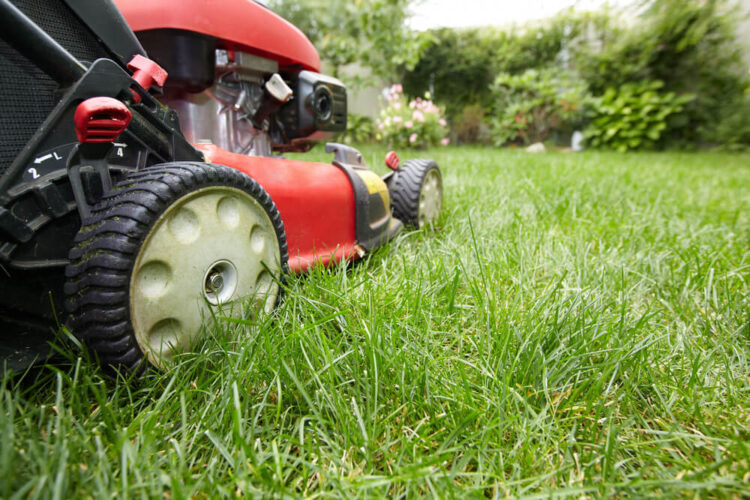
x,y
392,160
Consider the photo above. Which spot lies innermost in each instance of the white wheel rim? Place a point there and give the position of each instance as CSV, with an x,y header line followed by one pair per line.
x,y
211,248
430,198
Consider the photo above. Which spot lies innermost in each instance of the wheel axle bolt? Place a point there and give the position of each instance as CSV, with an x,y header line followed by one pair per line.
x,y
215,282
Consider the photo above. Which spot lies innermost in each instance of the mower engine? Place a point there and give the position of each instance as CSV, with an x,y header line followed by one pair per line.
x,y
240,101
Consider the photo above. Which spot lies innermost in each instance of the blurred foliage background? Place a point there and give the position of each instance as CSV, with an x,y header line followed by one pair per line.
x,y
372,33
670,77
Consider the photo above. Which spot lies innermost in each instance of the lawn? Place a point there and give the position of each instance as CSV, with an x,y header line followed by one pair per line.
x,y
576,324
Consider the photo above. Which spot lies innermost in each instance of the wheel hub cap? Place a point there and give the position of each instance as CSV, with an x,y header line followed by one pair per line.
x,y
220,283
213,248
430,198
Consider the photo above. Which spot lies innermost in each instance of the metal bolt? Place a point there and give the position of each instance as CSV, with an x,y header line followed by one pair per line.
x,y
215,281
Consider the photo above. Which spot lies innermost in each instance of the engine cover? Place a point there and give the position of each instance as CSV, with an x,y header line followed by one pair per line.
x,y
243,24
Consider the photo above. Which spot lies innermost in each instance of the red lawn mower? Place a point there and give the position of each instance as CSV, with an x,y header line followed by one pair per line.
x,y
128,217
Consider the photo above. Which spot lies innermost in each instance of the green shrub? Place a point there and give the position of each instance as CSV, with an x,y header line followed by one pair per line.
x,y
469,126
634,116
373,33
732,131
534,106
414,124
690,46
360,129
459,65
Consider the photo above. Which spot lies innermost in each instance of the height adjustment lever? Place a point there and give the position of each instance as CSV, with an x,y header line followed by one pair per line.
x,y
99,121
147,73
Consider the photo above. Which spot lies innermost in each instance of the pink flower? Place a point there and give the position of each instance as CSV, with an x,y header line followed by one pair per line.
x,y
398,88
397,119
418,116
445,141
413,138
443,122
381,126
397,105
408,124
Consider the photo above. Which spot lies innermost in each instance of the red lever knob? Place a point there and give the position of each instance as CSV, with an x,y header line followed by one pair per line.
x,y
101,119
147,73
392,161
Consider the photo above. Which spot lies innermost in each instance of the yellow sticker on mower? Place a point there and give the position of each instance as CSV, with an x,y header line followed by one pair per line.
x,y
375,185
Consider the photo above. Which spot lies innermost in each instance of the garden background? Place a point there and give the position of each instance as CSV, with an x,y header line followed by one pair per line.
x,y
662,74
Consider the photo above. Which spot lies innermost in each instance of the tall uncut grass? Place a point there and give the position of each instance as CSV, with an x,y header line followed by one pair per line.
x,y
576,324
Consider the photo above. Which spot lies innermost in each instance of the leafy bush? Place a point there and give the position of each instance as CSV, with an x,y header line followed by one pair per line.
x,y
469,126
690,46
360,129
634,116
415,124
459,65
457,68
531,107
732,131
373,33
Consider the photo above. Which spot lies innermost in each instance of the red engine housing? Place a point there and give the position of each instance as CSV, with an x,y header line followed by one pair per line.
x,y
241,24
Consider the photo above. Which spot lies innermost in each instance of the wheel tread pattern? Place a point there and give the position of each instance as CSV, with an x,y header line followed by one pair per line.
x,y
405,189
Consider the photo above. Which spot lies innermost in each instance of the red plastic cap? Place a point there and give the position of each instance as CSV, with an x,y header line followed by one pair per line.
x,y
392,161
147,73
101,119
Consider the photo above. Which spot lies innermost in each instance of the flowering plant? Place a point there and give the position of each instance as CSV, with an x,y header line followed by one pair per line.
x,y
415,124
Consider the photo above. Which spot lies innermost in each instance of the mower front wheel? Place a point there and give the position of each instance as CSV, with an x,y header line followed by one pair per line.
x,y
417,193
165,246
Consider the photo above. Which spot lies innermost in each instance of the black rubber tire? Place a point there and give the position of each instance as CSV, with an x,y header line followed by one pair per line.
x,y
405,188
106,247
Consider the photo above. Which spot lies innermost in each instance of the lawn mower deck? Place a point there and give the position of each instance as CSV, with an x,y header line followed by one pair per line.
x,y
130,219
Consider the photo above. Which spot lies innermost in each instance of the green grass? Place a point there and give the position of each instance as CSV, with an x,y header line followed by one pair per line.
x,y
575,325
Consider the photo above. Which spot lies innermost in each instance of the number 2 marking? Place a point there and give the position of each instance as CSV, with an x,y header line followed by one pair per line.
x,y
33,172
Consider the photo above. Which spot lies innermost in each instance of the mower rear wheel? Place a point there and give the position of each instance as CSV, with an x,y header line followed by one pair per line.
x,y
417,193
162,249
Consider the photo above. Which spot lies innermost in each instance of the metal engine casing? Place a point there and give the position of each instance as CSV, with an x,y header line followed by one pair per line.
x,y
207,119
226,114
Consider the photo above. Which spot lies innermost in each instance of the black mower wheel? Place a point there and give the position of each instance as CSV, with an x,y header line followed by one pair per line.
x,y
417,193
167,244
